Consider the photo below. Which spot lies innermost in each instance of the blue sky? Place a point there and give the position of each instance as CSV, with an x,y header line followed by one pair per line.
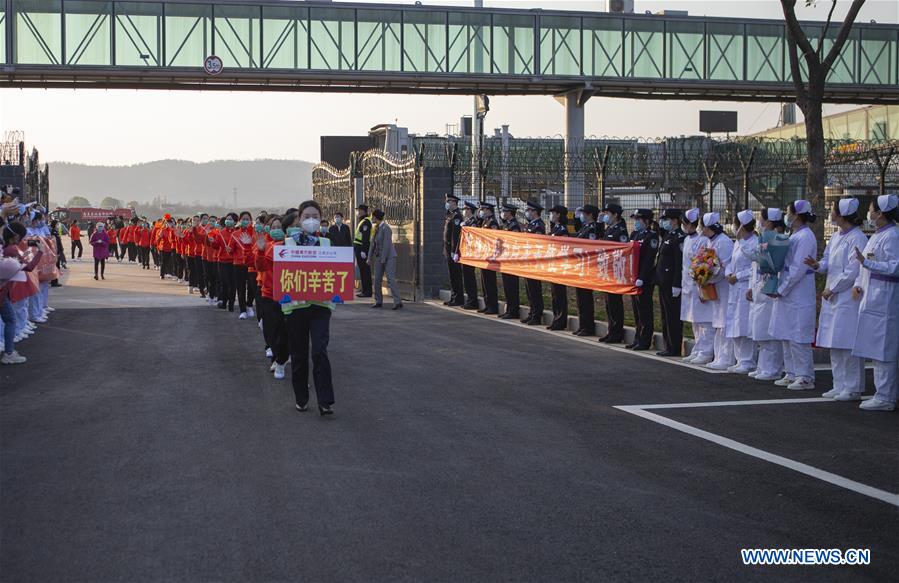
x,y
126,126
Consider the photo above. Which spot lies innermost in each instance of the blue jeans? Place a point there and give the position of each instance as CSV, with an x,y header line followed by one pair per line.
x,y
9,325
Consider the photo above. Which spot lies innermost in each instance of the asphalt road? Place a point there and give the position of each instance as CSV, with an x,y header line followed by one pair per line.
x,y
151,444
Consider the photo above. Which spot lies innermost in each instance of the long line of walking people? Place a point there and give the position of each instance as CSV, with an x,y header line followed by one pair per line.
x,y
742,325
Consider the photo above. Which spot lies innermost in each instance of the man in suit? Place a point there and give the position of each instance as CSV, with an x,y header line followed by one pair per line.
x,y
339,233
382,259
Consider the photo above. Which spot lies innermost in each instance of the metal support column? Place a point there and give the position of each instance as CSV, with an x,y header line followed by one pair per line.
x,y
574,146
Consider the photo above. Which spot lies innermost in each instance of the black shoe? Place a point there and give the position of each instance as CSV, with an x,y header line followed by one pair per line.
x,y
221,305
604,338
613,340
397,307
376,305
641,347
302,408
491,312
97,278
507,316
447,303
102,277
584,333
666,353
631,346
525,320
231,308
469,307
482,310
456,304
325,410
534,322
555,327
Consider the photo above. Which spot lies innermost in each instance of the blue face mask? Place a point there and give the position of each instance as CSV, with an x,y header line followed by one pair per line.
x,y
639,225
277,234
606,219
293,231
666,224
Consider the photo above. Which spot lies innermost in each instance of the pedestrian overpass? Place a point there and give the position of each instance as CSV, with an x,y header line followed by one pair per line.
x,y
275,45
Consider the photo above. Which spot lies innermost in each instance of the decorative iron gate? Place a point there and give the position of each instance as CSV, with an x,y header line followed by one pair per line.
x,y
332,189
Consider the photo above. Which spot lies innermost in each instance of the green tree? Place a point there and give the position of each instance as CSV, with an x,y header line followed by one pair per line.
x,y
110,203
78,201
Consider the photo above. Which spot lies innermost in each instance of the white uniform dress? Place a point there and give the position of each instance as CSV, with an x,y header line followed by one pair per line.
x,y
724,350
877,336
699,314
738,327
838,321
793,316
771,359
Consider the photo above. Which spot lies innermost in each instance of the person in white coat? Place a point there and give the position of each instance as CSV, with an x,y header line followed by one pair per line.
x,y
838,320
793,317
877,288
738,272
770,365
692,309
724,249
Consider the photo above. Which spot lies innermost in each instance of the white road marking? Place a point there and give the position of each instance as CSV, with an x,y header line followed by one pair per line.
x,y
568,336
831,478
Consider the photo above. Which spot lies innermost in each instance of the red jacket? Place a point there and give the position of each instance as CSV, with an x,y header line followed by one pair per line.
x,y
143,236
265,266
220,239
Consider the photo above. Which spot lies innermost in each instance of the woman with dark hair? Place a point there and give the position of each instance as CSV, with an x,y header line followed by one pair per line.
x,y
100,243
273,328
558,221
75,236
309,322
877,286
793,317
770,363
692,308
242,241
724,249
838,320
739,271
222,242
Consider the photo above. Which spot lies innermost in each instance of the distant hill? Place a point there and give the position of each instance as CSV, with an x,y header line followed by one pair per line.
x,y
259,183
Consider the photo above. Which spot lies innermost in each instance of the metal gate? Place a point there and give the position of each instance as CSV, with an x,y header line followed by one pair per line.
x,y
332,189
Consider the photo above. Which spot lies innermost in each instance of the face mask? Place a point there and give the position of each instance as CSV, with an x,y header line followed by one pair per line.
x,y
259,227
448,206
579,216
639,225
277,234
482,214
666,224
204,222
229,223
311,225
606,219
293,231
267,229
871,217
244,223
338,221
790,219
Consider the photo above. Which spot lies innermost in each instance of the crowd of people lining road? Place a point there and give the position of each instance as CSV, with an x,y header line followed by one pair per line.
x,y
741,327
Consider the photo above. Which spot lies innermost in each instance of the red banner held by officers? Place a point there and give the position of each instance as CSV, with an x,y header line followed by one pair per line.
x,y
598,265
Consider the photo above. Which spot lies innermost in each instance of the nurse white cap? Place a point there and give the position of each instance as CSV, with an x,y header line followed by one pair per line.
x,y
887,202
710,219
848,206
775,215
745,216
692,215
802,206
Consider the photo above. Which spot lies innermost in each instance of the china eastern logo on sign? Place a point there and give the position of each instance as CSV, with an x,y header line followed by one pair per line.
x,y
312,274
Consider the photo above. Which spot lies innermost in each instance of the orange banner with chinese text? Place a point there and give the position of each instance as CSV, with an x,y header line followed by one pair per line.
x,y
598,265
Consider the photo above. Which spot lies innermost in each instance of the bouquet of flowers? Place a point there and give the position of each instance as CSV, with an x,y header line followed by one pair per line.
x,y
771,257
703,267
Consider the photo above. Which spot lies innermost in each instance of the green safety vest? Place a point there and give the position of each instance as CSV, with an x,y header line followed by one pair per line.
x,y
358,237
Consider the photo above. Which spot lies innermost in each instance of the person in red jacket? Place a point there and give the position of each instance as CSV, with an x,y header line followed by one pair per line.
x,y
221,241
154,242
210,258
243,242
142,236
166,243
199,235
274,329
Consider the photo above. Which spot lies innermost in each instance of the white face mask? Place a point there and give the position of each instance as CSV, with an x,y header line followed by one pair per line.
x,y
482,214
311,225
338,221
449,206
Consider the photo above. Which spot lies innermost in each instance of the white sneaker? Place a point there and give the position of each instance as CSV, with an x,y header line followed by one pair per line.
x,y
272,367
717,366
690,357
801,384
753,373
832,393
51,309
12,358
269,353
260,324
848,396
767,377
41,320
741,370
242,316
876,404
251,313
279,371
785,381
700,359
18,338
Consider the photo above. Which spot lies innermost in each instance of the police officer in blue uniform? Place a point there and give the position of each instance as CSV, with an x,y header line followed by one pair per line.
x,y
615,230
668,279
534,287
558,227
488,277
469,278
509,222
452,232
642,303
589,230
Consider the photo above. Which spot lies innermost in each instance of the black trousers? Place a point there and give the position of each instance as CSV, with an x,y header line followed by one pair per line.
x,y
615,313
212,278
307,326
534,289
132,252
510,289
585,310
470,282
226,285
274,329
167,267
560,306
76,244
672,325
178,265
101,264
240,286
252,291
491,297
364,273
155,253
144,253
643,316
455,275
